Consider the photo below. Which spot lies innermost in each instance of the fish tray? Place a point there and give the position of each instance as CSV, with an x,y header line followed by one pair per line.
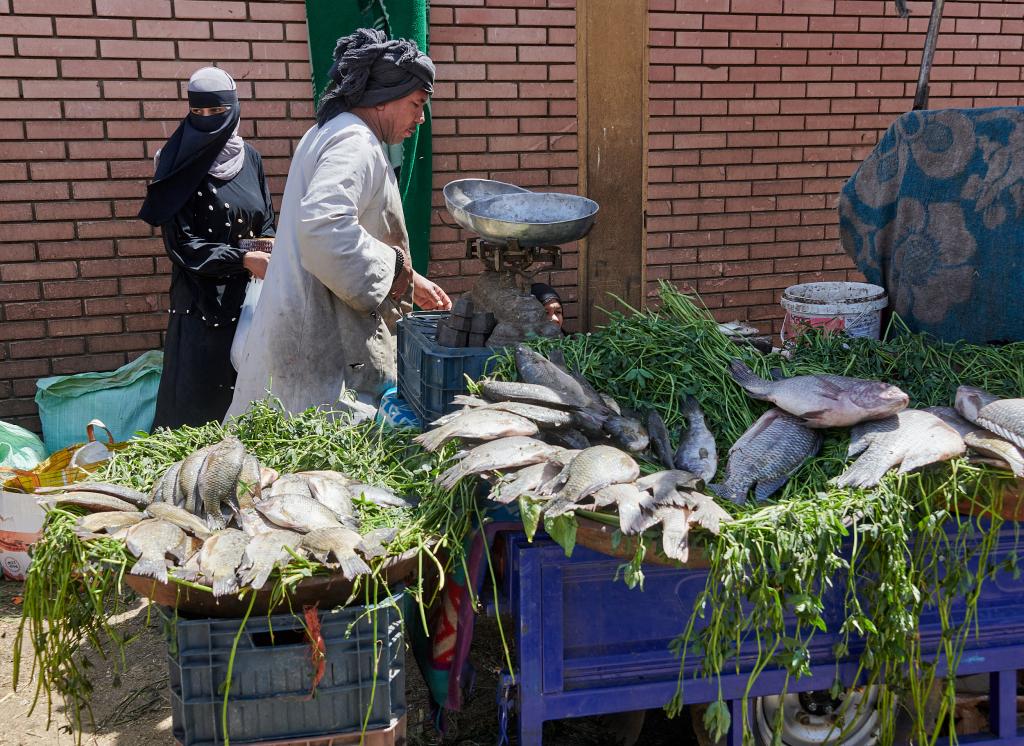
x,y
393,735
431,376
271,695
598,536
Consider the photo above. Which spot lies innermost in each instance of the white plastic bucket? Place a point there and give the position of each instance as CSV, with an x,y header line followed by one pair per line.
x,y
854,308
21,522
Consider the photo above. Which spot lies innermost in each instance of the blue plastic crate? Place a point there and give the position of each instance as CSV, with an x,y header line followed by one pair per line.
x,y
271,680
429,375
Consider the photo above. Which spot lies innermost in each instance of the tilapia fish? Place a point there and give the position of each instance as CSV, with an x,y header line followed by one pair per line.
x,y
382,496
665,485
218,478
824,401
766,455
1004,417
592,469
537,369
981,441
179,517
527,393
660,443
568,437
632,504
290,484
108,521
265,552
188,478
696,452
92,501
627,432
911,439
332,490
526,481
250,478
298,512
139,499
340,542
477,424
165,489
499,455
545,417
675,532
220,557
151,541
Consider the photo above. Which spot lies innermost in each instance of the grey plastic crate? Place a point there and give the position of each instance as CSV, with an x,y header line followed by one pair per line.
x,y
271,681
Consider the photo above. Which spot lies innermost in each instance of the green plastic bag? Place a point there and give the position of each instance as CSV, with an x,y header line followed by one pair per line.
x,y
20,448
125,399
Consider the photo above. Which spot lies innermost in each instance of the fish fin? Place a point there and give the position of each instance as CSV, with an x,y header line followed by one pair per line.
x,y
370,549
1002,432
727,492
866,471
557,358
812,416
254,577
689,406
216,521
451,477
559,506
222,586
353,566
776,374
631,519
764,490
432,439
151,567
747,379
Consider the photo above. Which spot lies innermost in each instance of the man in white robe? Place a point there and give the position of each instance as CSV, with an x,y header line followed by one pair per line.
x,y
323,332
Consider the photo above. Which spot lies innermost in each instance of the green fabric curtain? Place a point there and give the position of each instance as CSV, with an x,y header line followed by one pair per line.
x,y
404,19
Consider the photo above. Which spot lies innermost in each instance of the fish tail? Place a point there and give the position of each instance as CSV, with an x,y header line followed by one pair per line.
x,y
559,506
432,439
689,407
747,379
353,566
631,519
450,478
215,520
151,567
222,586
860,474
728,492
255,577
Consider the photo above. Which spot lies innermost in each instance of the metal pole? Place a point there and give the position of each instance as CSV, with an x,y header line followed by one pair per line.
x,y
921,95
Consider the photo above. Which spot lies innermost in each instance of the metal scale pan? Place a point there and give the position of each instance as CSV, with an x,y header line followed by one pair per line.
x,y
532,218
458,194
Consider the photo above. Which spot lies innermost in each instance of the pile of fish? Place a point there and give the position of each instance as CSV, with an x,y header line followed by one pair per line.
x,y
224,519
554,438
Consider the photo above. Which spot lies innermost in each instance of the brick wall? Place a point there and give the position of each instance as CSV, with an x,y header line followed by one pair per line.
x,y
89,89
760,110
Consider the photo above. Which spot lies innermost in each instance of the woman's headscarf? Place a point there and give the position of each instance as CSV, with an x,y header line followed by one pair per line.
x,y
544,293
370,69
200,146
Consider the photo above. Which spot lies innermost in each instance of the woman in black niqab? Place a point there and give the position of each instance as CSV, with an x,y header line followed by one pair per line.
x,y
210,199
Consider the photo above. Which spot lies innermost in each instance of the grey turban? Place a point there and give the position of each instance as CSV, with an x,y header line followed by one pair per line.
x,y
370,69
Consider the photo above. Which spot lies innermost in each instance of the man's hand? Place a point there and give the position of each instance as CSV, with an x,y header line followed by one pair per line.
x,y
402,277
428,295
256,262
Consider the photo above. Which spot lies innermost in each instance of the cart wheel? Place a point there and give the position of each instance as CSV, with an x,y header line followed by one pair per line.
x,y
813,719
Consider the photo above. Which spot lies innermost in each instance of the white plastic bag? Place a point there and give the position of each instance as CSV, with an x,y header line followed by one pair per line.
x,y
252,297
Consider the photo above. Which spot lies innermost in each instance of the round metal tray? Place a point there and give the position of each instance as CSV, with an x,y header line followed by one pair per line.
x,y
459,193
532,218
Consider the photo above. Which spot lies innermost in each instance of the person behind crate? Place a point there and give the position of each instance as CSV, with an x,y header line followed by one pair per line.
x,y
208,196
551,301
322,334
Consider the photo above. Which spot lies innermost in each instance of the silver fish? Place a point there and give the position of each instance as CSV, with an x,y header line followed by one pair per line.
x,y
297,512
981,441
525,481
218,478
220,557
659,438
382,496
478,424
188,477
93,501
911,439
627,432
333,490
528,393
108,521
290,484
705,512
535,368
139,499
1004,417
675,532
664,485
340,542
250,478
165,489
263,553
766,455
151,541
589,422
824,401
594,468
598,401
568,437
632,504
180,517
545,417
696,452
499,455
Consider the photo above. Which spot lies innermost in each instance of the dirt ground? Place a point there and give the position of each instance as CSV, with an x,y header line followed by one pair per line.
x,y
137,712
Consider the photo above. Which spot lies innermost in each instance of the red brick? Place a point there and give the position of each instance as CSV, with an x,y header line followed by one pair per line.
x,y
484,17
54,48
277,11
115,267
111,228
28,150
270,50
100,109
131,49
545,17
499,35
82,326
48,309
121,305
15,212
28,26
26,68
53,7
36,191
99,69
95,27
147,322
80,288
13,172
60,89
46,348
205,9
87,363
140,285
37,271
176,29
134,8
17,291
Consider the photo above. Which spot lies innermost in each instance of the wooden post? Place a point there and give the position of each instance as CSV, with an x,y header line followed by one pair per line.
x,y
612,98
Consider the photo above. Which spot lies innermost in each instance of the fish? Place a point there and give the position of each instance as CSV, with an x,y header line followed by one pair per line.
x,y
537,369
545,417
568,437
108,521
1004,417
525,481
180,517
557,358
981,441
611,404
220,557
188,477
290,484
499,455
151,541
263,553
482,423
340,542
589,422
93,501
664,485
333,490
675,532
382,496
705,512
218,478
697,452
911,439
250,478
592,469
766,455
632,504
659,438
627,432
528,393
823,401
298,512
165,489
139,499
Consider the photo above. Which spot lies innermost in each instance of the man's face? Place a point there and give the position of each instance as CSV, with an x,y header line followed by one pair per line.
x,y
400,117
554,311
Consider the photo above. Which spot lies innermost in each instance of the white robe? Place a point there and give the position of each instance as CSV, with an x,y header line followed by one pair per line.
x,y
324,320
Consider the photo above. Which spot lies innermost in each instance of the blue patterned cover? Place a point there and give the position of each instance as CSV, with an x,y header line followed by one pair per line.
x,y
934,216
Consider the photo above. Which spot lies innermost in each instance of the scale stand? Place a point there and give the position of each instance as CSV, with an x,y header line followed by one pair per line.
x,y
510,256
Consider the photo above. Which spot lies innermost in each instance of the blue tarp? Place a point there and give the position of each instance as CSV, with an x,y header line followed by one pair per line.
x,y
934,215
